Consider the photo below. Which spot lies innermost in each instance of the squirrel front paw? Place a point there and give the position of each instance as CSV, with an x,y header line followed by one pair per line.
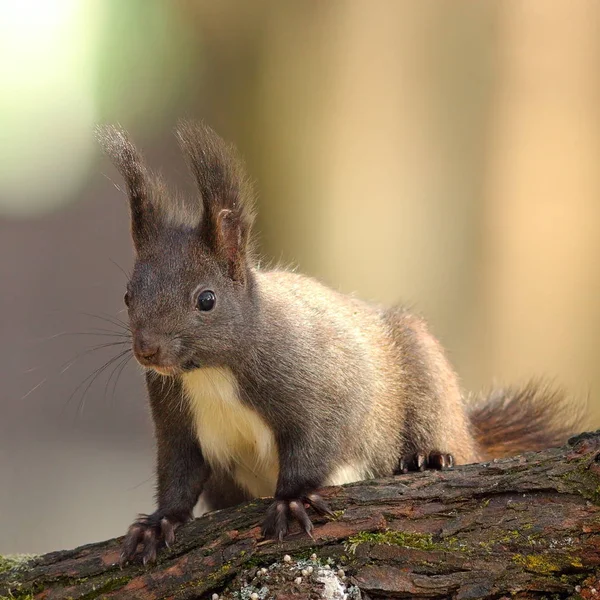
x,y
283,511
419,461
152,532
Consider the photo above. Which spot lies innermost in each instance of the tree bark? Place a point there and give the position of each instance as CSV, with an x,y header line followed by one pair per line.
x,y
523,527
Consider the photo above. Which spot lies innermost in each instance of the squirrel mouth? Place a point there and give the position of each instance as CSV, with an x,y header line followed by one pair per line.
x,y
166,371
190,365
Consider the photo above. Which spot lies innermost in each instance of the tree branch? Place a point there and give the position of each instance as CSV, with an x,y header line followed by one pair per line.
x,y
524,527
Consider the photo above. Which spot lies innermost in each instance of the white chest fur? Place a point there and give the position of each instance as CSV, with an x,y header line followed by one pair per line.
x,y
231,435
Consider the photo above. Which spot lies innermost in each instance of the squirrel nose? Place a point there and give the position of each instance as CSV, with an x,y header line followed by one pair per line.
x,y
146,348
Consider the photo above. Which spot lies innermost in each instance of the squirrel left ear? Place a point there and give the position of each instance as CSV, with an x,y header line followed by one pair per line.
x,y
227,198
142,185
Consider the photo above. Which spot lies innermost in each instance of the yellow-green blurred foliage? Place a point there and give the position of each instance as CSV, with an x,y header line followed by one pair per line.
x,y
441,154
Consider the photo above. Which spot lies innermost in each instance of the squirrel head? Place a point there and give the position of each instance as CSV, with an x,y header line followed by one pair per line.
x,y
190,293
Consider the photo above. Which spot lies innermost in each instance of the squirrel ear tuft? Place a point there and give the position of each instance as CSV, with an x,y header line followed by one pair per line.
x,y
127,159
226,194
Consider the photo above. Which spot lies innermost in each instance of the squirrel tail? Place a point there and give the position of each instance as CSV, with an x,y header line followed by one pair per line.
x,y
509,421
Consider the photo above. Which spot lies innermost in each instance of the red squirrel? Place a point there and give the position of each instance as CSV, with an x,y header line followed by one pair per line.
x,y
267,382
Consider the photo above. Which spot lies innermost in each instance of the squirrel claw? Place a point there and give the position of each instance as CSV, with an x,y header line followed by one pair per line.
x,y
419,461
282,512
152,532
440,460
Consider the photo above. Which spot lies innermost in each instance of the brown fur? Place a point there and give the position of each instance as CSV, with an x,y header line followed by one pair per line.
x,y
511,420
434,408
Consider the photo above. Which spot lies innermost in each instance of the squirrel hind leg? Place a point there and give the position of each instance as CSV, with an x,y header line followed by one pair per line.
x,y
420,461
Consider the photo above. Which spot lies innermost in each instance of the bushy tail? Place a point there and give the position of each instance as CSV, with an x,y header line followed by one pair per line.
x,y
510,421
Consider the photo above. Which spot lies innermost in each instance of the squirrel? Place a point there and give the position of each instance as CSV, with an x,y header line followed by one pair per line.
x,y
267,382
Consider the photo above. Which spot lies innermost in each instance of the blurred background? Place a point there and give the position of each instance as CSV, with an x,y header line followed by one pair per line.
x,y
440,154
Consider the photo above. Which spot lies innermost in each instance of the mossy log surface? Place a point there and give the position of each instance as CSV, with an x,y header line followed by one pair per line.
x,y
524,527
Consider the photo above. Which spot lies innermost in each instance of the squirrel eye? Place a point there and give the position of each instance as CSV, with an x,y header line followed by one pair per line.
x,y
206,300
127,299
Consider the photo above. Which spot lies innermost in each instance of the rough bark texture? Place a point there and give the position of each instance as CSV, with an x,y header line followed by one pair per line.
x,y
525,527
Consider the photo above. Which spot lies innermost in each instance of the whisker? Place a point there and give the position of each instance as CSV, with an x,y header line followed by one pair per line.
x,y
120,373
92,377
114,262
102,330
69,363
108,319
92,332
34,388
99,372
181,403
117,370
135,487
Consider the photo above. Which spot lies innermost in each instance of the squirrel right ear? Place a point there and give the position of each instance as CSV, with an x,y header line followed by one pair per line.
x,y
227,197
116,143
